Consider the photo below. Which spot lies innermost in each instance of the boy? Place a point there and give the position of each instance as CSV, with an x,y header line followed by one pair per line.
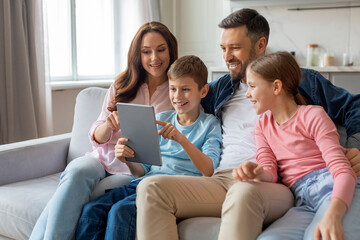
x,y
190,145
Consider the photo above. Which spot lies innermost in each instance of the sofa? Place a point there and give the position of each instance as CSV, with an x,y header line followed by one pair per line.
x,y
30,171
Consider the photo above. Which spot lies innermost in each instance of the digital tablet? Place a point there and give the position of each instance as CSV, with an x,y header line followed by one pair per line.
x,y
138,124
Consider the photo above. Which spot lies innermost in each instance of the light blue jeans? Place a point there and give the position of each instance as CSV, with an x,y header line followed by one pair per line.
x,y
312,199
60,216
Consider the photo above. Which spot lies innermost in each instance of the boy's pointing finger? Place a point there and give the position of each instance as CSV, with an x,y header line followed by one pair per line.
x,y
161,123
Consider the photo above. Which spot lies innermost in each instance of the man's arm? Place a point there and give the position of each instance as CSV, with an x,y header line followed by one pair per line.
x,y
353,154
208,101
353,141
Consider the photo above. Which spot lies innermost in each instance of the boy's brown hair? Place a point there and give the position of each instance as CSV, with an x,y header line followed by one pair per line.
x,y
189,66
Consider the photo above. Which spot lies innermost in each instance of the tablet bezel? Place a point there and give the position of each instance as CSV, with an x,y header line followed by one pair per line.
x,y
138,124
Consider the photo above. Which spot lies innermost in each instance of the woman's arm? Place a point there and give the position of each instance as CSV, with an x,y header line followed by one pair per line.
x,y
107,123
103,132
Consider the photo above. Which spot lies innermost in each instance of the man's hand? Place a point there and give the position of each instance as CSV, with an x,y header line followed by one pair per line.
x,y
247,171
122,151
353,155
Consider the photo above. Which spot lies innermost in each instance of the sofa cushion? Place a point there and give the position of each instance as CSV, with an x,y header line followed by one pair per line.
x,y
87,109
199,228
110,182
21,204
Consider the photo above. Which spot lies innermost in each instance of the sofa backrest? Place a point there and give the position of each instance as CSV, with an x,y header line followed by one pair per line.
x,y
87,109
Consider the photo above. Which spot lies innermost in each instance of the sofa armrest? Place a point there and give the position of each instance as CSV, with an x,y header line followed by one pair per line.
x,y
33,158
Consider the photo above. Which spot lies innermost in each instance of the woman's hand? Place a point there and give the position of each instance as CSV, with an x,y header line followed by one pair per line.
x,y
169,131
103,132
330,226
122,151
112,121
247,171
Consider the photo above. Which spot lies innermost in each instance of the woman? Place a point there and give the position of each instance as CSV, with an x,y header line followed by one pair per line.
x,y
152,51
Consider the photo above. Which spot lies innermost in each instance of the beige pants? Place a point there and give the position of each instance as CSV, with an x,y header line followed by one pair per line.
x,y
243,206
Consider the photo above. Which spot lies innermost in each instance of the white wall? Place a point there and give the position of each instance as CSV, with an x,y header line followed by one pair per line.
x,y
63,103
334,29
194,23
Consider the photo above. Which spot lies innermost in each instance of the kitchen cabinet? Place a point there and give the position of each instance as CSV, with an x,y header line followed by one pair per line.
x,y
348,80
344,77
261,3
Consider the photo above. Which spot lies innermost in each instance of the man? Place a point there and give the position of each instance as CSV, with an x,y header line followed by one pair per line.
x,y
243,206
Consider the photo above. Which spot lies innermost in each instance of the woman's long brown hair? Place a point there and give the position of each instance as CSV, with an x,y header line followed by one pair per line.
x,y
128,82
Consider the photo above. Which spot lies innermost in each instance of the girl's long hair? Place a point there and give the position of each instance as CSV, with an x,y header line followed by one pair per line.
x,y
128,82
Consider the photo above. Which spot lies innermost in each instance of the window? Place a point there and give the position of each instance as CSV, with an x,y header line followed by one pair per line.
x,y
82,39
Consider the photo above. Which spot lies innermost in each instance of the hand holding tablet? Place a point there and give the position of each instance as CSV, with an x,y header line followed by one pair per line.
x,y
138,124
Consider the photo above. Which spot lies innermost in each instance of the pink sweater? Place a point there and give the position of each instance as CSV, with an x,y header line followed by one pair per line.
x,y
105,152
305,143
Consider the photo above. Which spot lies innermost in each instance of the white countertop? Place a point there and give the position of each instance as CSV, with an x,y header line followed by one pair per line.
x,y
336,69
319,69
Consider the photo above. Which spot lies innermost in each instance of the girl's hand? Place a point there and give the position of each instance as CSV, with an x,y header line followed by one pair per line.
x,y
112,121
169,131
122,151
329,229
247,171
330,226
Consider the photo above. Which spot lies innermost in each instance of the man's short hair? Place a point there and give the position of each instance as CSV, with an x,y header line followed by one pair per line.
x,y
189,66
257,26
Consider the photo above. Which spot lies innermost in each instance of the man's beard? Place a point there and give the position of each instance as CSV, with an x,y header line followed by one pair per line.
x,y
238,76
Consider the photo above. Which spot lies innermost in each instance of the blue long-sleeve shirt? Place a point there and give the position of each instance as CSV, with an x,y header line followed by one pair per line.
x,y
204,133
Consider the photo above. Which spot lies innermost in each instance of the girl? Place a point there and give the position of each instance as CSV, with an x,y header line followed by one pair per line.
x,y
301,145
152,51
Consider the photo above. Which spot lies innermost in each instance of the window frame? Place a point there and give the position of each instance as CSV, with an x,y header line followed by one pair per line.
x,y
93,80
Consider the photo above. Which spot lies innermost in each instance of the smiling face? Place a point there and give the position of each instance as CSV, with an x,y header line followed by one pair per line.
x,y
260,92
238,51
185,96
155,57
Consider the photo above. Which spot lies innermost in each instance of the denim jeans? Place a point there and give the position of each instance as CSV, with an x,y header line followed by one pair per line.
x,y
110,216
59,218
313,196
